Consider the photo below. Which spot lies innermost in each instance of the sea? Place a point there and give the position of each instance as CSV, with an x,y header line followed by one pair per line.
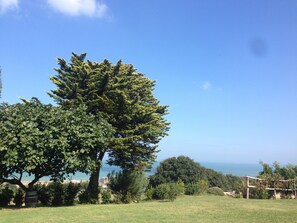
x,y
236,169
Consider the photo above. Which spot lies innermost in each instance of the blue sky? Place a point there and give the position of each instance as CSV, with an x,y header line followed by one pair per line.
x,y
227,69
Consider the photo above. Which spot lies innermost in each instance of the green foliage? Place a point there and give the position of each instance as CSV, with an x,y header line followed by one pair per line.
x,y
192,189
215,191
106,196
43,140
190,172
6,195
124,97
58,193
129,184
44,194
276,171
197,188
19,197
172,169
149,192
166,191
84,197
71,192
181,187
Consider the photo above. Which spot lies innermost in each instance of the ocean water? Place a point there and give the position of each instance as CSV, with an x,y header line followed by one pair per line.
x,y
237,169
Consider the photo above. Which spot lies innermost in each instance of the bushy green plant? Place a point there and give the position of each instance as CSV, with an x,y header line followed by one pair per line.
x,y
192,189
259,193
181,187
83,197
166,191
44,194
215,191
129,184
19,197
6,195
70,193
57,193
149,193
106,196
202,186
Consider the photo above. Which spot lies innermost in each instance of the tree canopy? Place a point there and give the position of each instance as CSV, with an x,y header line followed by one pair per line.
x,y
42,140
124,98
184,168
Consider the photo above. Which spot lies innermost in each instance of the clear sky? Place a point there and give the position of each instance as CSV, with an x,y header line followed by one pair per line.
x,y
226,68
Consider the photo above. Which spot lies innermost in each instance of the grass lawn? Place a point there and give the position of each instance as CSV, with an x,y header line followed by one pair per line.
x,y
184,209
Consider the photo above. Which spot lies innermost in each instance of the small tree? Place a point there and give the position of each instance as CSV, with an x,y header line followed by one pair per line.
x,y
130,185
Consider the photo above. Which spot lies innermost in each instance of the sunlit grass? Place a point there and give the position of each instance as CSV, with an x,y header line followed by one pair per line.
x,y
184,209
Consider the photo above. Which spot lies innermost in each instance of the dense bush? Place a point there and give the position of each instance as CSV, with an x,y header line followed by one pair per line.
x,y
106,196
57,193
44,195
197,188
215,191
70,193
6,195
166,191
128,186
19,197
192,189
190,172
83,197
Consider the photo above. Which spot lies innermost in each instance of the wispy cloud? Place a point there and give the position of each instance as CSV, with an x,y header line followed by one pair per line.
x,y
6,5
206,85
91,8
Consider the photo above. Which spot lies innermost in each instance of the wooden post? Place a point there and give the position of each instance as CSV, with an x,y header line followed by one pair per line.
x,y
247,187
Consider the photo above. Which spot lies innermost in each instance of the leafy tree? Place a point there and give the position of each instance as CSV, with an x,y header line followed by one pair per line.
x,y
175,168
42,140
125,99
190,172
276,171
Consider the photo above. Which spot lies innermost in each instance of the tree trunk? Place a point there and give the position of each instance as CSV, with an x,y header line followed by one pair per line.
x,y
93,186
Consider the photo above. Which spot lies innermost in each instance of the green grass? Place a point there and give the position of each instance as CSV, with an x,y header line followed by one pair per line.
x,y
184,209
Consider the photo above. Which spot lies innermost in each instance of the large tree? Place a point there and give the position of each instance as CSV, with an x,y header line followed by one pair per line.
x,y
125,99
42,140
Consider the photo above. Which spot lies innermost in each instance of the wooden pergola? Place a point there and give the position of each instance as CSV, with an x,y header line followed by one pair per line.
x,y
272,185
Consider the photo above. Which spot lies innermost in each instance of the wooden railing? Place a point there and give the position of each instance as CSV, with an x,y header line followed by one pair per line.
x,y
278,185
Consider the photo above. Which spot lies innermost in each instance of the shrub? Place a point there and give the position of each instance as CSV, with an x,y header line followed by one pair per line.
x,y
181,187
44,194
128,185
106,196
6,195
259,193
57,193
19,197
192,189
83,197
216,191
70,193
149,193
166,191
